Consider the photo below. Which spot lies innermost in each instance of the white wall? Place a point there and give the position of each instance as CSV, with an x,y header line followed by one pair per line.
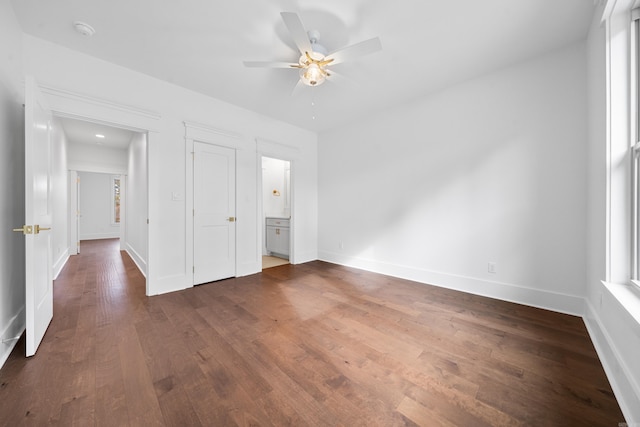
x,y
136,202
94,158
59,198
12,177
96,193
273,178
613,329
148,102
491,170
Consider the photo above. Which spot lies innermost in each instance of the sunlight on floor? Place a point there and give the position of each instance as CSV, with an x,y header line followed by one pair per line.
x,y
271,261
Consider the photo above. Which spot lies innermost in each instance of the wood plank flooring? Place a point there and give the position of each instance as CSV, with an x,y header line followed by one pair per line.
x,y
305,345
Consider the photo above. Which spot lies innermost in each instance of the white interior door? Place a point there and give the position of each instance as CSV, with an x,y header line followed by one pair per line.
x,y
39,281
214,203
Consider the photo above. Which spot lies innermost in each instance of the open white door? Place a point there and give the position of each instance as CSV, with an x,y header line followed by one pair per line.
x,y
214,204
39,281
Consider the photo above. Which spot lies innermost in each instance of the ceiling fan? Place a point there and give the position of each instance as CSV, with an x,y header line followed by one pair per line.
x,y
315,62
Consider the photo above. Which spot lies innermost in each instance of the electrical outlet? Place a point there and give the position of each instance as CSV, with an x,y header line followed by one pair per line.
x,y
491,267
341,245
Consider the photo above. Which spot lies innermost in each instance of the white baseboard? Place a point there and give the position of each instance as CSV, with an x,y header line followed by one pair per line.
x,y
302,257
166,284
100,236
619,375
562,303
248,268
14,329
59,264
138,260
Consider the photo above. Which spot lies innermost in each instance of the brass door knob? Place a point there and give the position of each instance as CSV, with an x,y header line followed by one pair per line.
x,y
26,229
37,229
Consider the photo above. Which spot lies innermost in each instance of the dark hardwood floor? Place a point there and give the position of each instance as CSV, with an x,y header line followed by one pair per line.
x,y
306,345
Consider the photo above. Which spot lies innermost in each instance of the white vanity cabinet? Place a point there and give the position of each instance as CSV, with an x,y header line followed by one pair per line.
x,y
278,236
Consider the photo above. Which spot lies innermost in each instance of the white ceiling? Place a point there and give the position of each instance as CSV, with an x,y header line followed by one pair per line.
x,y
200,45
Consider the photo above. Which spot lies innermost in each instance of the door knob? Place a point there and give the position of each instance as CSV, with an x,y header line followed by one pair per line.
x,y
26,229
231,219
37,229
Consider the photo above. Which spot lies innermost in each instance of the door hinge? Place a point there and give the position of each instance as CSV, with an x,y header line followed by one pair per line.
x,y
147,220
193,269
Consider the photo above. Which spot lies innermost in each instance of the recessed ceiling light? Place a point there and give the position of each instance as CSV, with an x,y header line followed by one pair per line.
x,y
99,135
84,28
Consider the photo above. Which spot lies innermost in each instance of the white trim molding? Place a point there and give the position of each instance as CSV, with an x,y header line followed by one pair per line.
x,y
562,303
210,134
625,386
73,105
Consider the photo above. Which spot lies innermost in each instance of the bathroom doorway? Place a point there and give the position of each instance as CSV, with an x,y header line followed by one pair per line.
x,y
276,212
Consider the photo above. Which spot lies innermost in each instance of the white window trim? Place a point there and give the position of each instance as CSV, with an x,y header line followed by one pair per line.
x,y
619,191
634,134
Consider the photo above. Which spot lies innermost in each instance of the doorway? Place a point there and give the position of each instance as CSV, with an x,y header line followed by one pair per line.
x,y
107,186
100,206
276,212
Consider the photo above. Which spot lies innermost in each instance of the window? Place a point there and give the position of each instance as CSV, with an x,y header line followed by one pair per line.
x,y
115,200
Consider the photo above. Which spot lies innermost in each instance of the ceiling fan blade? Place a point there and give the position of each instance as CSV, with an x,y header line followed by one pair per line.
x,y
296,29
297,87
355,50
337,78
269,64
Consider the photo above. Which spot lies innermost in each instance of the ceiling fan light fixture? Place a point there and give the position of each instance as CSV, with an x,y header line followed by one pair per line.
x,y
314,60
313,75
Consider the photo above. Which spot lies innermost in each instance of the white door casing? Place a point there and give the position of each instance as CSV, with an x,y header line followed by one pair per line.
x,y
214,226
38,215
74,213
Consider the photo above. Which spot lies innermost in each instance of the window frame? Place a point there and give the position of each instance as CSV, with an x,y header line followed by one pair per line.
x,y
634,143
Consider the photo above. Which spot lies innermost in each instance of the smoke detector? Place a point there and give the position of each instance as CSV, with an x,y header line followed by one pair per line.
x,y
84,28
